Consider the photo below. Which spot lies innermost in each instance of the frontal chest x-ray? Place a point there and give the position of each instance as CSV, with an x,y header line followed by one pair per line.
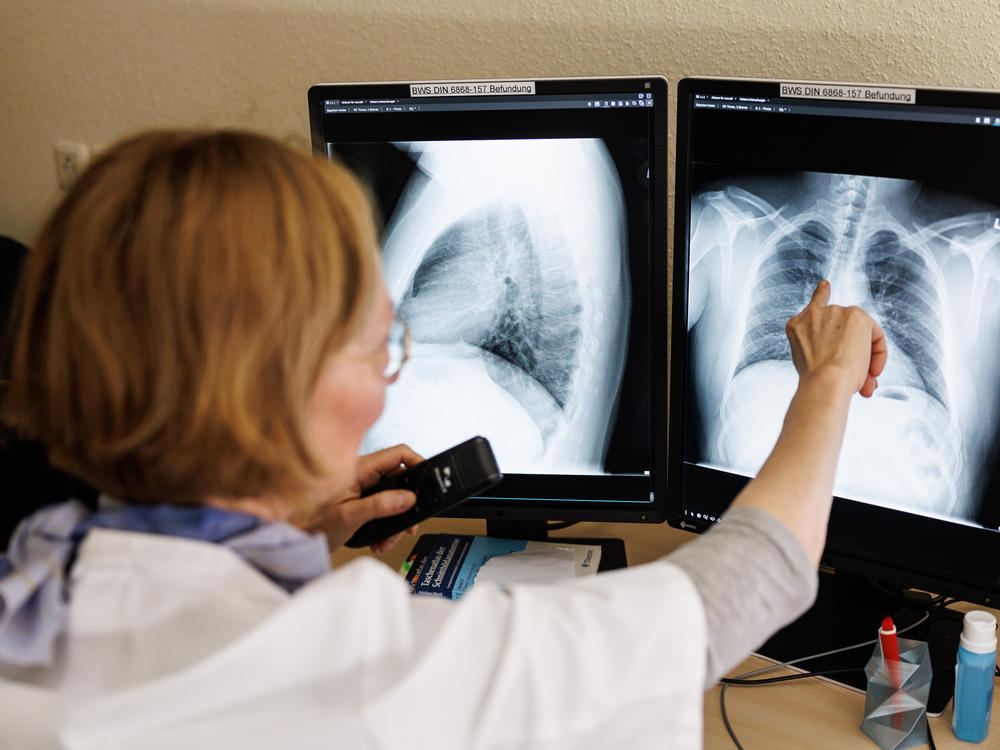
x,y
508,261
924,263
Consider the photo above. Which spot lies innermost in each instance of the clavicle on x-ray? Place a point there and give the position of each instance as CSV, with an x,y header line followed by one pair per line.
x,y
508,261
925,265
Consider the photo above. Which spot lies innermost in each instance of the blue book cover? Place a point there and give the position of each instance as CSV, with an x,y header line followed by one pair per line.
x,y
448,564
442,564
454,560
482,549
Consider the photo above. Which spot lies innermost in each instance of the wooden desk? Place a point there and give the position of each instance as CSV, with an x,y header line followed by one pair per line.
x,y
812,713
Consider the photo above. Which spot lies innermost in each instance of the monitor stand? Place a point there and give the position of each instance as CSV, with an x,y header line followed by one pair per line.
x,y
612,550
848,610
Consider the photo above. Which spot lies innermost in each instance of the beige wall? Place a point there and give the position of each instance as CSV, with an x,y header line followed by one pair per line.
x,y
94,70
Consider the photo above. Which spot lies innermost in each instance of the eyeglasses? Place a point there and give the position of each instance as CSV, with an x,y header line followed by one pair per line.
x,y
397,343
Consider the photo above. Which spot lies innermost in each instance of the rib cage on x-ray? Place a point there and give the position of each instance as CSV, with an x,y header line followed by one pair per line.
x,y
508,261
759,246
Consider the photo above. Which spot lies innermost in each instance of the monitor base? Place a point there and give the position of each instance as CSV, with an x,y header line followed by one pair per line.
x,y
848,610
612,550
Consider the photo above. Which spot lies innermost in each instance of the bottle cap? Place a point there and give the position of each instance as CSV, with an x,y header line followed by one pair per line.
x,y
979,632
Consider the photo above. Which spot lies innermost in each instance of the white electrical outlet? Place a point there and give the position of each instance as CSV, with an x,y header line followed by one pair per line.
x,y
71,158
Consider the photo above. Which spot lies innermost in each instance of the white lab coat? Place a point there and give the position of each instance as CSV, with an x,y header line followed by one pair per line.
x,y
173,643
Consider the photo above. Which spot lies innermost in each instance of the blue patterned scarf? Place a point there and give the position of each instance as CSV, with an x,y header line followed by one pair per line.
x,y
34,598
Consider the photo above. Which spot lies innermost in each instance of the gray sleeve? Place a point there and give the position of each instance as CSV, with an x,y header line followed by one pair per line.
x,y
753,577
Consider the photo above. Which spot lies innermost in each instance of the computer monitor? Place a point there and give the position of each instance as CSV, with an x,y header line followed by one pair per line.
x,y
524,242
891,193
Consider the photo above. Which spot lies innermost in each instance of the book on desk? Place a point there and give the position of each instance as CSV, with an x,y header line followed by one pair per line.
x,y
448,565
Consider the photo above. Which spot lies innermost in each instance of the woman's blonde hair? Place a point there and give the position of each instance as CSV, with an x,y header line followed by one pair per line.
x,y
174,315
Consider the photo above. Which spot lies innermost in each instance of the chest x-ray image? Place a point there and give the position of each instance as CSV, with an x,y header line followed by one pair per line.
x,y
508,261
925,264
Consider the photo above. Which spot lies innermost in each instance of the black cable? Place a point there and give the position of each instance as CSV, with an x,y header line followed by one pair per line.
x,y
725,718
941,603
729,682
898,594
787,677
907,598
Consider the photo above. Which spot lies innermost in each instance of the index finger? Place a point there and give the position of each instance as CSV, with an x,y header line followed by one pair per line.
x,y
374,466
821,294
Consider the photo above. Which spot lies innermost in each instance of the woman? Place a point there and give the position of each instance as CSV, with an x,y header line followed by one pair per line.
x,y
202,333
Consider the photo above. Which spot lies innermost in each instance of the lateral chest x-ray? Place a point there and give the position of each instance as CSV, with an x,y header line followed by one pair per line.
x,y
925,265
508,261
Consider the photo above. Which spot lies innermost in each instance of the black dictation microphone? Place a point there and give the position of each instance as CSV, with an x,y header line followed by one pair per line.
x,y
440,483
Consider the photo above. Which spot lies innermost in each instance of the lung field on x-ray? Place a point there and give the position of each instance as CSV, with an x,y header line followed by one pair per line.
x,y
534,327
759,245
508,261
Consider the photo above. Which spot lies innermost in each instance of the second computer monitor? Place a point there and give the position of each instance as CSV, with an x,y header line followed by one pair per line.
x,y
890,193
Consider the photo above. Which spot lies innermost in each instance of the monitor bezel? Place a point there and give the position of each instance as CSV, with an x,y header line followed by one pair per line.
x,y
540,509
893,546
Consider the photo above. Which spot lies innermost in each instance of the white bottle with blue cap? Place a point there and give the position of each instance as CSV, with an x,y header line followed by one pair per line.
x,y
977,657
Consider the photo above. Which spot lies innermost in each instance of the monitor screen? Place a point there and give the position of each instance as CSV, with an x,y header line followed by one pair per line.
x,y
523,242
891,193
